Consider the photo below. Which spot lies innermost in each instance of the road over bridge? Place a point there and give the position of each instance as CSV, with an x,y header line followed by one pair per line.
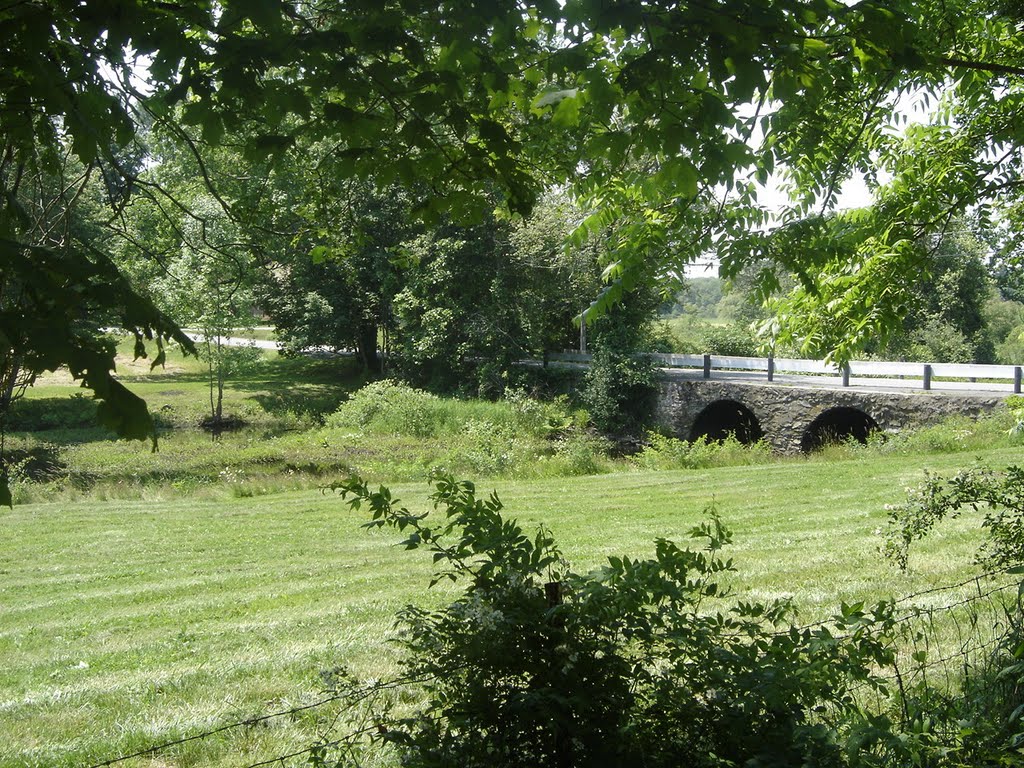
x,y
798,417
797,405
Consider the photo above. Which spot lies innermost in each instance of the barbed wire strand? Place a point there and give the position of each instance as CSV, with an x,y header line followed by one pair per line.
x,y
351,698
914,596
321,745
219,729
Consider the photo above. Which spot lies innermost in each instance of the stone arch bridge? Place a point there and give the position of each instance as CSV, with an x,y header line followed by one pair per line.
x,y
794,418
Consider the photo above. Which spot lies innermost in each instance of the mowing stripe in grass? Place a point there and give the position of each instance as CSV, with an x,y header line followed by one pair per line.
x,y
124,622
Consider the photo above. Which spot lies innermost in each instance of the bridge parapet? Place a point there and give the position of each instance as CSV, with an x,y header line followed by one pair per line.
x,y
956,377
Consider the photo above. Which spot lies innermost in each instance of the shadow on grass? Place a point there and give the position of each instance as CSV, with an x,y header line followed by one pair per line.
x,y
39,463
76,411
310,388
282,388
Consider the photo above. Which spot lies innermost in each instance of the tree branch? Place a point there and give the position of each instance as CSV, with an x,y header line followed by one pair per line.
x,y
983,66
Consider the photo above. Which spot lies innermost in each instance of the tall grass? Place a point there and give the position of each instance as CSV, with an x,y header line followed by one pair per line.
x,y
307,423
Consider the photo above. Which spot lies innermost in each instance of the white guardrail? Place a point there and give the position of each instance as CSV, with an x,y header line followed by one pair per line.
x,y
861,369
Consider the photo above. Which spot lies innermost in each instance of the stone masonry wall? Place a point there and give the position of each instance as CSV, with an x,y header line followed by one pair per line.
x,y
786,412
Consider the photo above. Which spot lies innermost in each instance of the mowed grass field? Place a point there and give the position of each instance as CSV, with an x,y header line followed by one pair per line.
x,y
147,597
128,623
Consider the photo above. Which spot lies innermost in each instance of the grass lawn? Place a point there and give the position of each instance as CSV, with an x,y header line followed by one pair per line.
x,y
149,597
124,624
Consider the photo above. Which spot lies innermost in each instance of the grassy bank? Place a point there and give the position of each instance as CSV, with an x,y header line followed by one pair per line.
x,y
128,623
305,423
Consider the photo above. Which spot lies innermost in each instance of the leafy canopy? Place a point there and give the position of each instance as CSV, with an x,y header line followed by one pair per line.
x,y
664,116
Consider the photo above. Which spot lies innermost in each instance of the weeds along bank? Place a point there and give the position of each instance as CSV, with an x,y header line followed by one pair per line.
x,y
299,428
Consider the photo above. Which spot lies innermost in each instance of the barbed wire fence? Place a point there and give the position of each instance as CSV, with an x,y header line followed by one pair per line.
x,y
954,639
352,695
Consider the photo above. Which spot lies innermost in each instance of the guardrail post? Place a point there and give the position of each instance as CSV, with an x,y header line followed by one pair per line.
x,y
846,374
927,377
771,368
1016,380
707,366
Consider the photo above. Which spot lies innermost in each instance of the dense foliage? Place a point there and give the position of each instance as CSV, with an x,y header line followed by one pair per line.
x,y
964,311
619,385
452,307
642,662
663,117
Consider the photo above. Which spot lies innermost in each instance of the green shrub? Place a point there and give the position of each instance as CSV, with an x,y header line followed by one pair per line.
x,y
579,452
390,407
641,662
730,340
487,448
984,715
955,434
619,390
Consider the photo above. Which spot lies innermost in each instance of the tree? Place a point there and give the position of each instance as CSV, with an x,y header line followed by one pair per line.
x,y
59,291
208,287
456,306
939,316
662,116
343,295
478,300
57,116
699,298
557,282
619,386
955,290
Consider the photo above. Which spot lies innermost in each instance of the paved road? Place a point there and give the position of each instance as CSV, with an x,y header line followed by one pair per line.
x,y
237,341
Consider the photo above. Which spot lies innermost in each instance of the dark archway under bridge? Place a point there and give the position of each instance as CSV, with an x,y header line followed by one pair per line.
x,y
793,418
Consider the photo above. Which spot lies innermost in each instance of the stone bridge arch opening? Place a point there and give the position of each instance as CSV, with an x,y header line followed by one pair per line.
x,y
727,417
837,425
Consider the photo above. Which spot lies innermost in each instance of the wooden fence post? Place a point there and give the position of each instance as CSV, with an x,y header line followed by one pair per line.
x,y
707,366
771,368
927,377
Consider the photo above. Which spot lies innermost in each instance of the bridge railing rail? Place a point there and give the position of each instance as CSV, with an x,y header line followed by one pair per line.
x,y
927,373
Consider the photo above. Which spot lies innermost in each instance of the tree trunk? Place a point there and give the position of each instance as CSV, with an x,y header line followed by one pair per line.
x,y
219,413
209,361
11,384
367,348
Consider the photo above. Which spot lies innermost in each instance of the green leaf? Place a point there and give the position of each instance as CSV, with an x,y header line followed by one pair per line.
x,y
818,49
320,254
264,146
